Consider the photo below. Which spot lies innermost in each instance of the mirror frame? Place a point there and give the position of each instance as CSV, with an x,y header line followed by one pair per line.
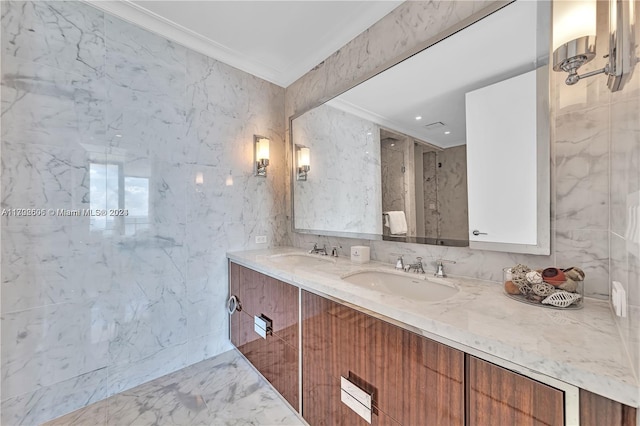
x,y
543,107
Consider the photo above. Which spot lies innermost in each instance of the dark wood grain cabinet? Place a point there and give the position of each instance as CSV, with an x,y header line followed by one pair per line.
x,y
413,380
276,357
499,396
596,410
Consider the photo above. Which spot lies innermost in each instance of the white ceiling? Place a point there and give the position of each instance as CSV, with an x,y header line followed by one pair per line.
x,y
278,41
433,83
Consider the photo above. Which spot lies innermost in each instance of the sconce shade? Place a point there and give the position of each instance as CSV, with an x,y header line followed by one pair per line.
x,y
261,155
262,149
573,19
304,157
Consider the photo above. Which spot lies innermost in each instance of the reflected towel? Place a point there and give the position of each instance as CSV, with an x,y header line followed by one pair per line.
x,y
396,221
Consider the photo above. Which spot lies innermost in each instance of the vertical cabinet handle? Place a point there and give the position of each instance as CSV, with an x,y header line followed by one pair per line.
x,y
233,304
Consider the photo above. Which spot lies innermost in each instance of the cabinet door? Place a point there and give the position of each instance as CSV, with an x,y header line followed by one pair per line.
x,y
413,380
596,410
275,357
497,396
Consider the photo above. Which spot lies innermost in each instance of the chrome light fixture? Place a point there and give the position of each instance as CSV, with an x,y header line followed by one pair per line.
x,y
261,154
303,156
574,40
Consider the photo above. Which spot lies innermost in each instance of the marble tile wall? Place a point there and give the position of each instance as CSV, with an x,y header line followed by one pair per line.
x,y
100,114
430,194
623,112
392,163
452,186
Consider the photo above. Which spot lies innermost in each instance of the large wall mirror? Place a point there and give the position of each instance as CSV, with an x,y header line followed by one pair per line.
x,y
418,152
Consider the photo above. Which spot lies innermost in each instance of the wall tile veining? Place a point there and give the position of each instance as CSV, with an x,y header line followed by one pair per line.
x,y
98,113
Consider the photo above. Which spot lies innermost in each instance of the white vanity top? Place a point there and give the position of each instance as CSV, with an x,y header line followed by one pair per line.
x,y
580,347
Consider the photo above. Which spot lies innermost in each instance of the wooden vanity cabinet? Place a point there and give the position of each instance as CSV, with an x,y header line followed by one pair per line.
x,y
276,357
596,410
413,380
499,396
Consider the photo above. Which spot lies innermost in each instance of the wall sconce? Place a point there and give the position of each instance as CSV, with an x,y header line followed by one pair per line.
x,y
574,40
261,154
303,155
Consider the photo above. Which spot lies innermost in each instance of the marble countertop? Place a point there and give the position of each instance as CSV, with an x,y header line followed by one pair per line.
x,y
580,347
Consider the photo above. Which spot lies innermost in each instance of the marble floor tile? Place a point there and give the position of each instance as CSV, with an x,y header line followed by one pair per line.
x,y
223,390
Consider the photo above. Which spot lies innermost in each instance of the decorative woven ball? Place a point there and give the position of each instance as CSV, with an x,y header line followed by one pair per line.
x,y
542,289
519,278
534,277
524,287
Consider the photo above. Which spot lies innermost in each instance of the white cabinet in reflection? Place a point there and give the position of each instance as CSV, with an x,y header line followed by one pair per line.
x,y
508,165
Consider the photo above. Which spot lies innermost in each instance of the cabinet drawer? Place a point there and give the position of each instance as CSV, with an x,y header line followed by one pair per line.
x,y
413,380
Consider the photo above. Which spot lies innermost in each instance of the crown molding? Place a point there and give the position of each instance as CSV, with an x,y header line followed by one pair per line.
x,y
137,15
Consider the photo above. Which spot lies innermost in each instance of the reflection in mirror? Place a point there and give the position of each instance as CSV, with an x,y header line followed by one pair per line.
x,y
341,193
401,136
426,187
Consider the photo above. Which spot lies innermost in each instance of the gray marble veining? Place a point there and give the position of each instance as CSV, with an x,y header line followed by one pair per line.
x,y
99,114
223,390
337,140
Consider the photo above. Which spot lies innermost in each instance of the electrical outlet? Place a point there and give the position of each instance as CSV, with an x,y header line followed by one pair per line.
x,y
261,239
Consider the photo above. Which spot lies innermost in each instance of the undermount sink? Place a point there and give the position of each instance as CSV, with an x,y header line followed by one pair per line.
x,y
408,286
301,259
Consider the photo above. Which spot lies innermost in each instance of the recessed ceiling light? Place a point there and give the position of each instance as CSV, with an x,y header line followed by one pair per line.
x,y
447,132
419,117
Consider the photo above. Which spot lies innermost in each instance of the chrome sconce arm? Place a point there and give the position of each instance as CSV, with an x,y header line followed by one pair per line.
x,y
570,56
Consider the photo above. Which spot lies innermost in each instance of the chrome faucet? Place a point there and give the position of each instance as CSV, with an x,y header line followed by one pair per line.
x,y
440,267
416,267
317,250
400,263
